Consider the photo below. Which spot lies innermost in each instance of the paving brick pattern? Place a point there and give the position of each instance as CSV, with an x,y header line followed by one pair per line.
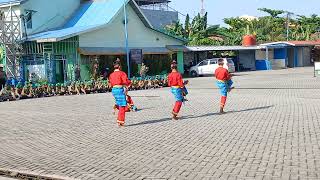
x,y
271,131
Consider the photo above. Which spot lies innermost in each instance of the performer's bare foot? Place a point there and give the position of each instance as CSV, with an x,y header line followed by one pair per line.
x,y
120,124
174,116
114,109
222,111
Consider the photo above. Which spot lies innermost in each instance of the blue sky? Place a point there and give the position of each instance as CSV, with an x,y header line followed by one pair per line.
x,y
219,9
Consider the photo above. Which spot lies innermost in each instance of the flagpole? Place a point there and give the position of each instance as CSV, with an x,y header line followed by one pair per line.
x,y
126,35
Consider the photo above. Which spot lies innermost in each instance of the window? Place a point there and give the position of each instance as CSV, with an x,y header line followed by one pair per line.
x,y
1,16
28,19
203,63
230,61
213,62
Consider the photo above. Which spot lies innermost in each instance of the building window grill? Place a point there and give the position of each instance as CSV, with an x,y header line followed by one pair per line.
x,y
29,20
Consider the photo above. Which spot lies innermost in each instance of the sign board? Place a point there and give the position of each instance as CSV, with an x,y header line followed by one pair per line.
x,y
136,56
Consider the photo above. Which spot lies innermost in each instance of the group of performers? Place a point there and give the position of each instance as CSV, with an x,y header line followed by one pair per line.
x,y
124,103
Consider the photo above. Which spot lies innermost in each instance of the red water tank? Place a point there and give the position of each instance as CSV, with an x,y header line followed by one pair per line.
x,y
249,40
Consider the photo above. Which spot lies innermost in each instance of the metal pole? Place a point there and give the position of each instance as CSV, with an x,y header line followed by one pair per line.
x,y
267,57
126,35
288,21
13,51
267,53
4,62
289,14
314,69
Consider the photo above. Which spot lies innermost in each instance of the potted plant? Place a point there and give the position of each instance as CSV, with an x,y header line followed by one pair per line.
x,y
249,39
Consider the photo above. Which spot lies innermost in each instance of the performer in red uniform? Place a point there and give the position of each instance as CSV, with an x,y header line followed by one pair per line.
x,y
224,83
130,105
177,88
119,82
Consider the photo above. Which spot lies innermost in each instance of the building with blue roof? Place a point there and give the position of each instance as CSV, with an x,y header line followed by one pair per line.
x,y
6,2
57,35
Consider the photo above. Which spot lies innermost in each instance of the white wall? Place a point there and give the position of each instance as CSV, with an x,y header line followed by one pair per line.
x,y
50,13
113,34
275,63
278,64
261,55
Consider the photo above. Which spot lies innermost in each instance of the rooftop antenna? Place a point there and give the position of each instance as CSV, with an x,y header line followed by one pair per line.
x,y
203,11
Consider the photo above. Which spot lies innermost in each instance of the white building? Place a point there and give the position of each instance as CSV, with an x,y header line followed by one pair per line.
x,y
58,34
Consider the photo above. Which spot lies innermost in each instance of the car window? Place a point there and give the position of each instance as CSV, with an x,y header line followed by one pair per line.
x,y
213,62
230,61
203,63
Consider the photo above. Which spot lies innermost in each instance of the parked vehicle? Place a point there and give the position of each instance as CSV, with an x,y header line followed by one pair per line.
x,y
209,66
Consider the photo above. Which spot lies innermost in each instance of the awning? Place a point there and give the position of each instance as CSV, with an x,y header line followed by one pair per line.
x,y
61,34
222,48
291,43
121,50
177,48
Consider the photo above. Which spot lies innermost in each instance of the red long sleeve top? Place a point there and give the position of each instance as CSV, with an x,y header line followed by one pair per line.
x,y
119,78
222,74
175,79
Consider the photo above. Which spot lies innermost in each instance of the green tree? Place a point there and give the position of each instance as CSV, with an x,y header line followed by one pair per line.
x,y
187,27
205,21
273,13
267,28
2,54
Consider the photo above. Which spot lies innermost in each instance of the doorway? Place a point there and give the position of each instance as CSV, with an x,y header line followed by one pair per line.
x,y
290,62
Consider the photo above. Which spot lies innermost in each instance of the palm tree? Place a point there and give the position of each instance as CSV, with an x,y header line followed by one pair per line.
x,y
268,28
273,13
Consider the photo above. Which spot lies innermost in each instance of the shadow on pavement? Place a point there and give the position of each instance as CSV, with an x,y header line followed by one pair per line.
x,y
141,109
194,117
150,122
230,112
260,88
239,74
266,88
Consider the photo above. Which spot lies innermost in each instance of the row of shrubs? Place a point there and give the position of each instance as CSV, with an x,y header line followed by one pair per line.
x,y
20,90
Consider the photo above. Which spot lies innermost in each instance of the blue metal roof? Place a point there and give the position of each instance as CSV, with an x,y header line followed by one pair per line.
x,y
57,35
95,13
9,1
280,44
89,16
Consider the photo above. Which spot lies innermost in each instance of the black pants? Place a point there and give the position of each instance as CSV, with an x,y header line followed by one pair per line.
x,y
2,83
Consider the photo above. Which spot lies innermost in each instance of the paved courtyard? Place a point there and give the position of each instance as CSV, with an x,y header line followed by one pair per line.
x,y
271,131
